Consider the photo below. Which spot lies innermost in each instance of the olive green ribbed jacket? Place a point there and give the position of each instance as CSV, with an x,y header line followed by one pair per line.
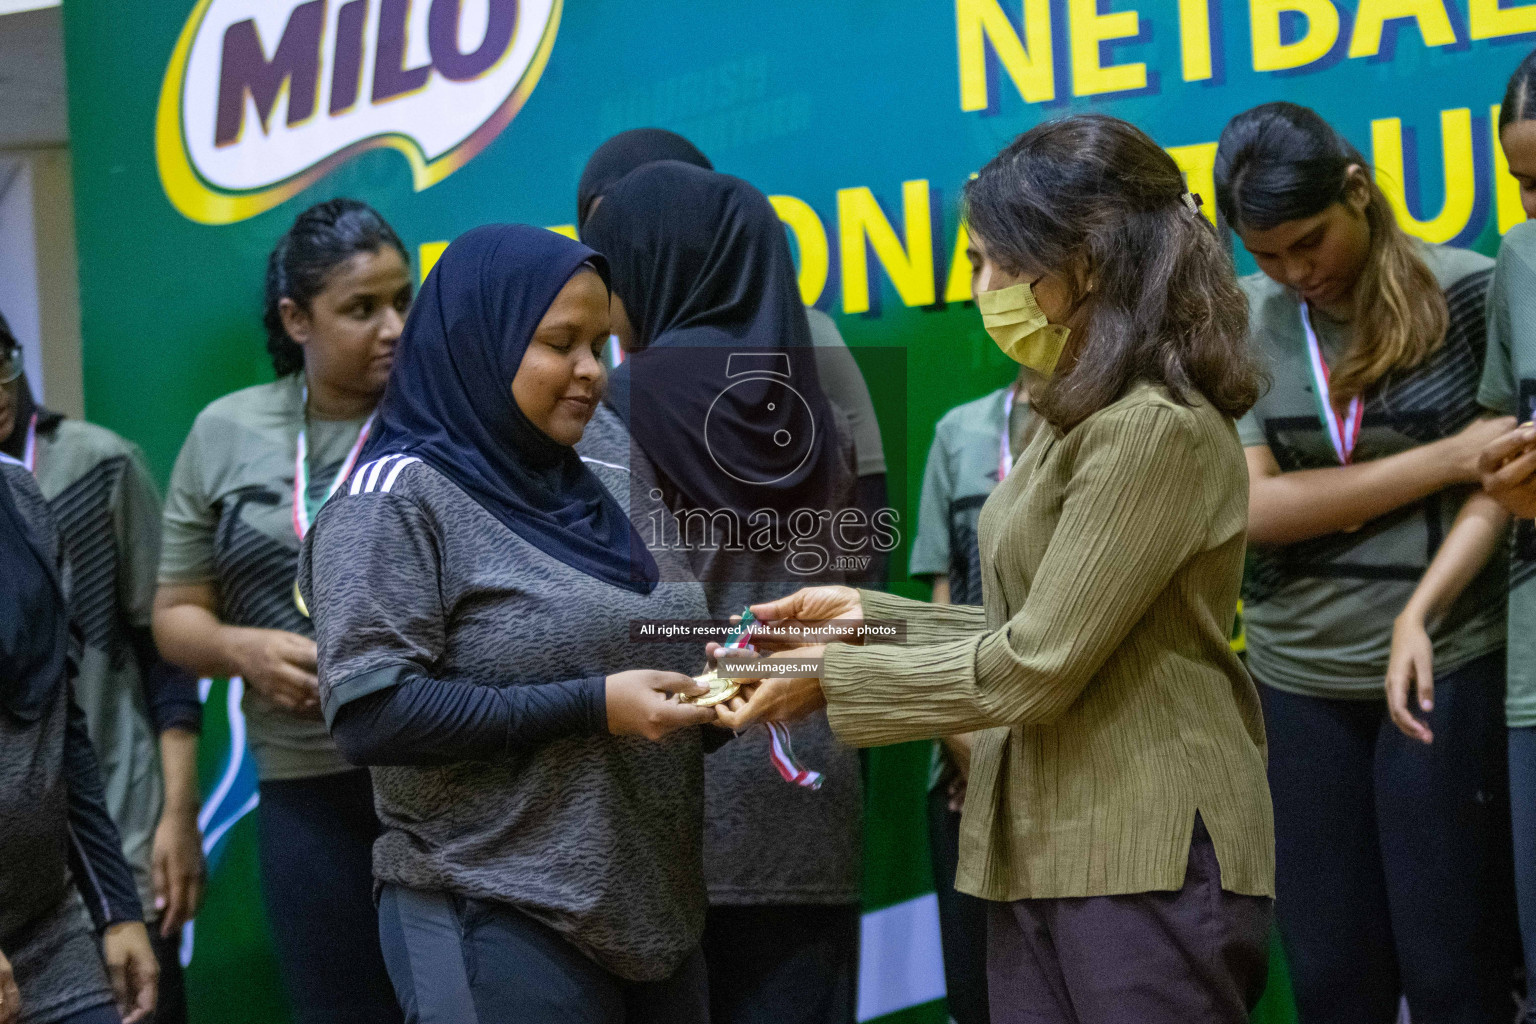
x,y
1111,707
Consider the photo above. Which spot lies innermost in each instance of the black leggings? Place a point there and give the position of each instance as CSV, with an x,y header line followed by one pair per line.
x,y
1393,859
782,964
315,841
464,961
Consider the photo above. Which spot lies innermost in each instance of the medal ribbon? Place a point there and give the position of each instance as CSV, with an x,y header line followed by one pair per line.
x,y
29,453
781,751
301,513
1343,430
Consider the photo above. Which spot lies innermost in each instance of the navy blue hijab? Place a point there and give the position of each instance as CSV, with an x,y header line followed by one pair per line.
x,y
449,401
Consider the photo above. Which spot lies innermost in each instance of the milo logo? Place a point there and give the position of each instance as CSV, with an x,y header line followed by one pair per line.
x,y
263,97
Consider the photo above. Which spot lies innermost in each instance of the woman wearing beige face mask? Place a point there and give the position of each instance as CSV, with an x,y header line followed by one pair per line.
x,y
1117,815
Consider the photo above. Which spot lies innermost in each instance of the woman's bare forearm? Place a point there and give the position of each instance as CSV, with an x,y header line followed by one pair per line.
x,y
1479,529
191,636
1285,508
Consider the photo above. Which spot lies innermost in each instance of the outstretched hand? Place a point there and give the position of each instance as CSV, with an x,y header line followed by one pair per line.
x,y
1508,469
800,614
1411,678
639,703
774,698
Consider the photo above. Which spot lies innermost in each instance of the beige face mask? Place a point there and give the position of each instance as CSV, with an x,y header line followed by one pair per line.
x,y
1014,320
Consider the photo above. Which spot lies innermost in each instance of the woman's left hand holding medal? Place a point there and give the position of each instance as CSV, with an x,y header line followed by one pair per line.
x,y
772,698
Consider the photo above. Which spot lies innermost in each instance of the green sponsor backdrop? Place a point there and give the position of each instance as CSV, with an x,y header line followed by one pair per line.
x,y
867,116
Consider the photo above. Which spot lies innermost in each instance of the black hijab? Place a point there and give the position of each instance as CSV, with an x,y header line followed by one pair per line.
x,y
449,401
723,394
34,626
625,152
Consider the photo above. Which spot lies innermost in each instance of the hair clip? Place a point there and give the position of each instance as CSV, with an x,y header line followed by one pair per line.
x,y
1193,201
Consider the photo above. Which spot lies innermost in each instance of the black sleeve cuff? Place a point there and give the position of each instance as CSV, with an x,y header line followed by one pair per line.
x,y
593,693
95,847
169,692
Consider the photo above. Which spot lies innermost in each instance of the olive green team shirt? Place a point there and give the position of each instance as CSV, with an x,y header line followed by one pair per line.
x,y
229,522
1509,387
1319,612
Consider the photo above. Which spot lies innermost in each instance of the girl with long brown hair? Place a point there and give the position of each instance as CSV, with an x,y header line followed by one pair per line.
x,y
1392,863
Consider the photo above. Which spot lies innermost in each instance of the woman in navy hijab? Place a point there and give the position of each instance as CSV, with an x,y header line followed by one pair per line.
x,y
472,591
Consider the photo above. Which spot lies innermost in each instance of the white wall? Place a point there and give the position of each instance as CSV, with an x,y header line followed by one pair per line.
x,y
18,275
39,288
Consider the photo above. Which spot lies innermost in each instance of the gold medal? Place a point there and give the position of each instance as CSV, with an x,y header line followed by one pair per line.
x,y
298,600
720,690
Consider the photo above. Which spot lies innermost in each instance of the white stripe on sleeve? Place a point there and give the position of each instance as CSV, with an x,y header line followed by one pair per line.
x,y
394,473
357,477
373,475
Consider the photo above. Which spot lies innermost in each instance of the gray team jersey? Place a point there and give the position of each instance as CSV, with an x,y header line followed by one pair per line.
x,y
1319,612
596,836
229,522
100,492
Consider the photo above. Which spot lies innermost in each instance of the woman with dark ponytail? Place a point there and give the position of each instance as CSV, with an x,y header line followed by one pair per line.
x,y
1392,861
250,479
1517,130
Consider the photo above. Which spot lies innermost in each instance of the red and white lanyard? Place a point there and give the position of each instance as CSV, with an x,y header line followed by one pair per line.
x,y
780,750
301,514
1343,430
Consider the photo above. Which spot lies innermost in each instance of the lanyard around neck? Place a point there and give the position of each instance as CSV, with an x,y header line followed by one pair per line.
x,y
301,511
29,452
1343,428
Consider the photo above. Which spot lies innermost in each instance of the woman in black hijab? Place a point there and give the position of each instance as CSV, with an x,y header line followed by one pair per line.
x,y
722,390
625,152
472,591
841,377
722,396
57,842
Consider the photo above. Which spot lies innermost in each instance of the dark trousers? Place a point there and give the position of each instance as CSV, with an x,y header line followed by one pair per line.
x,y
462,961
1393,867
1522,798
315,845
1196,956
962,918
104,1014
171,1006
782,964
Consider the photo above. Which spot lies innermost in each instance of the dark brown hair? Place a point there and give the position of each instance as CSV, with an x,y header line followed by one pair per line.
x,y
1095,199
1520,95
1281,162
